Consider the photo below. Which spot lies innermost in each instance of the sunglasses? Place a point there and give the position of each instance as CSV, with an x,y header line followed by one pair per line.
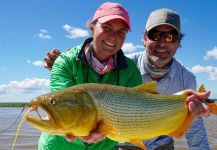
x,y
155,35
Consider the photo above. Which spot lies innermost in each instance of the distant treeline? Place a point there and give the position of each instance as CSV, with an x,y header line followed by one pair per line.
x,y
13,104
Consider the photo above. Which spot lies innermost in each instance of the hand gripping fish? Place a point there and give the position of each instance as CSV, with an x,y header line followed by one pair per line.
x,y
123,114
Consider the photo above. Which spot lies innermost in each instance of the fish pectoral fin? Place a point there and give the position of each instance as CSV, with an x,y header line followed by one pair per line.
x,y
180,131
150,87
105,128
138,143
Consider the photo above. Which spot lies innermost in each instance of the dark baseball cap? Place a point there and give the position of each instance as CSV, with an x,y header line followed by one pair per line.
x,y
163,16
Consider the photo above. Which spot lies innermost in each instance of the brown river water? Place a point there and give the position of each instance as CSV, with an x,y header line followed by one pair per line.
x,y
28,136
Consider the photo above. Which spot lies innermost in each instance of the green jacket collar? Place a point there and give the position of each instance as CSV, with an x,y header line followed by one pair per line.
x,y
120,62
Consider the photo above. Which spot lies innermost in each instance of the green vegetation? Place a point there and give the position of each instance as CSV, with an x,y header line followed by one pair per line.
x,y
13,104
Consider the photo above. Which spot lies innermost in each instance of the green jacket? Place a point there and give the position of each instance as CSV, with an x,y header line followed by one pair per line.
x,y
72,68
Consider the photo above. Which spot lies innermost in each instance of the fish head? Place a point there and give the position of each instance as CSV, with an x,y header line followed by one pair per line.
x,y
63,111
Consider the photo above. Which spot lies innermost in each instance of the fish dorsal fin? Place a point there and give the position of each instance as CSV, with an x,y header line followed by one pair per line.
x,y
201,88
150,87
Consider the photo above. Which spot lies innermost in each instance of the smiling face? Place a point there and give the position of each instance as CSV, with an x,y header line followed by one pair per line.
x,y
108,38
160,52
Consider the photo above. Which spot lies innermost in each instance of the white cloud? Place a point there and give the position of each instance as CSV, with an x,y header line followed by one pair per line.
x,y
35,63
130,48
43,31
38,63
212,71
29,85
3,88
44,34
74,32
211,53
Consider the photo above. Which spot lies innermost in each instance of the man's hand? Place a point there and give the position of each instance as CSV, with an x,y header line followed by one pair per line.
x,y
50,58
195,106
94,137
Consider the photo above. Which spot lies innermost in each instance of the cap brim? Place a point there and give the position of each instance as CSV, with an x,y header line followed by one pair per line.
x,y
153,26
112,17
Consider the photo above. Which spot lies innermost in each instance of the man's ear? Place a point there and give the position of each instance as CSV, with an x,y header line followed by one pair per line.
x,y
144,39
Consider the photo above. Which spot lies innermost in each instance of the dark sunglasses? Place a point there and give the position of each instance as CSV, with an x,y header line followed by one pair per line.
x,y
155,35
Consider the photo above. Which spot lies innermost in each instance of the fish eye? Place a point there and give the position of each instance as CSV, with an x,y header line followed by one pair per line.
x,y
52,101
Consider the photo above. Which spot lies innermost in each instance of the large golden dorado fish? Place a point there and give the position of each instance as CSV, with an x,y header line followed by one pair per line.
x,y
123,114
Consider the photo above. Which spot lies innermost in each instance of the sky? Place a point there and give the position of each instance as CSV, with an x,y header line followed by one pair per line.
x,y
29,29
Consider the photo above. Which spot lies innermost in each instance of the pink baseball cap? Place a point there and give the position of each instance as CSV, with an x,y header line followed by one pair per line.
x,y
109,11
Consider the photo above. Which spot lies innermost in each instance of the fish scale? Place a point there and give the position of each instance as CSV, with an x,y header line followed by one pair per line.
x,y
135,111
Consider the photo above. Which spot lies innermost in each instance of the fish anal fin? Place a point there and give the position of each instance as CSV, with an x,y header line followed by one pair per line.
x,y
138,143
180,131
150,87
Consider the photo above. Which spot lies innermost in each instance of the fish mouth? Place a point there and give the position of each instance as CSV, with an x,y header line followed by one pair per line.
x,y
40,116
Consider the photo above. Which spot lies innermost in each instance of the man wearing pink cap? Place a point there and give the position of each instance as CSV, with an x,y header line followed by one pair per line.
x,y
99,57
98,60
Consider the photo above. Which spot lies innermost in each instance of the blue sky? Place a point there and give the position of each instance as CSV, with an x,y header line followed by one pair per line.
x,y
29,29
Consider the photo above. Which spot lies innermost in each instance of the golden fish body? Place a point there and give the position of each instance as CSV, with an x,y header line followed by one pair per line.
x,y
123,114
133,113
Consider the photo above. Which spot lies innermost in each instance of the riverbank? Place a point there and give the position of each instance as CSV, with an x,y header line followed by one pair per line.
x,y
13,104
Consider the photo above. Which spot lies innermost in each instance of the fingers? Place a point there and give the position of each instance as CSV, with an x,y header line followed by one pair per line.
x,y
56,51
48,63
196,107
200,95
70,137
94,137
207,110
50,58
53,54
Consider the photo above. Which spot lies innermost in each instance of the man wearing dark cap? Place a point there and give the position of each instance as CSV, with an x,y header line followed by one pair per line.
x,y
162,38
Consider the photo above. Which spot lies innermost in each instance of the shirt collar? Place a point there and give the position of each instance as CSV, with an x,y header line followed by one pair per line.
x,y
170,74
120,62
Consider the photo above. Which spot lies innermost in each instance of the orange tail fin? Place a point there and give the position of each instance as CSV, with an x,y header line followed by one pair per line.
x,y
213,108
211,102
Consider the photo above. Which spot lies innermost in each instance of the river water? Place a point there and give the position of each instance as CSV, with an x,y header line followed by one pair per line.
x,y
28,136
